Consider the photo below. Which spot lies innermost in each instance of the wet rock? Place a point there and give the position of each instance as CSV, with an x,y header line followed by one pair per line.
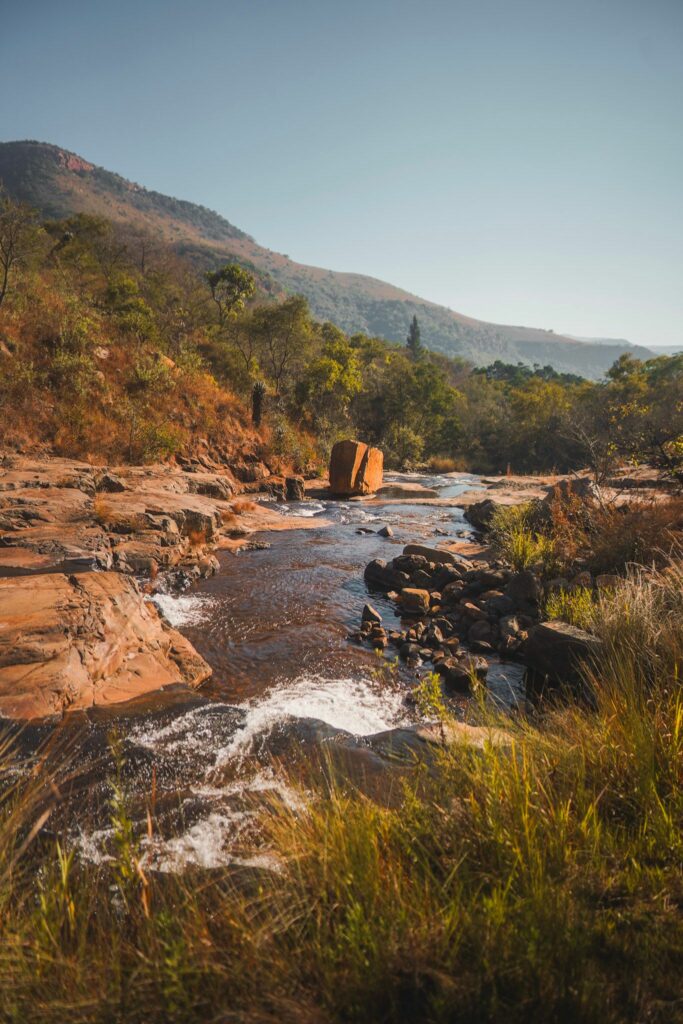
x,y
479,631
370,614
384,577
355,469
385,531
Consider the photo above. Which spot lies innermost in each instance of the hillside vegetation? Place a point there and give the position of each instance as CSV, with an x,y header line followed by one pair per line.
x,y
114,347
60,184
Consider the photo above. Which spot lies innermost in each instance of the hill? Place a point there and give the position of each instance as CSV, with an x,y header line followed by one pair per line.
x,y
59,183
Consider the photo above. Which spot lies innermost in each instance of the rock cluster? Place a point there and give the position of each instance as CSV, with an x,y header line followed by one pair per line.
x,y
448,602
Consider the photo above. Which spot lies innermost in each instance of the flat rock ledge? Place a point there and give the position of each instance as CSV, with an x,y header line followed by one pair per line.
x,y
73,641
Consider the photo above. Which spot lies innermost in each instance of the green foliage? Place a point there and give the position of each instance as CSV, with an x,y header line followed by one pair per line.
x,y
413,341
231,286
575,606
517,540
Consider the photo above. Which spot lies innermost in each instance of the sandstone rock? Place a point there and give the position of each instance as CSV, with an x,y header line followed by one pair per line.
x,y
71,642
355,468
385,531
415,601
578,487
109,483
457,673
523,589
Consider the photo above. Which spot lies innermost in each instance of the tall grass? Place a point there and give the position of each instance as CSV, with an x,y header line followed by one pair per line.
x,y
539,879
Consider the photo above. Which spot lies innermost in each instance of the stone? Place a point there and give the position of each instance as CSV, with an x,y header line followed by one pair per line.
x,y
69,642
509,626
581,487
385,531
370,614
432,554
110,483
415,601
480,514
555,653
479,631
384,577
523,589
409,651
295,488
355,469
457,673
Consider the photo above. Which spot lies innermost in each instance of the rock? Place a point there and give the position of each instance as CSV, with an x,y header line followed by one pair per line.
x,y
509,626
384,577
481,513
479,631
457,673
415,601
385,531
555,653
402,490
355,469
581,487
432,554
410,651
295,489
523,589
370,614
71,642
276,488
110,483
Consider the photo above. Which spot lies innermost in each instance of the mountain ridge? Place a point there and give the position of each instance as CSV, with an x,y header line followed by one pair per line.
x,y
60,183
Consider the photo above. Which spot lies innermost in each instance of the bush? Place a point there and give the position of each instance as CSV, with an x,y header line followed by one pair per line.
x,y
518,541
575,606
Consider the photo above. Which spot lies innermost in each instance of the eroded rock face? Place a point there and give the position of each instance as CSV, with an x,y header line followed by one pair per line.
x,y
73,641
355,469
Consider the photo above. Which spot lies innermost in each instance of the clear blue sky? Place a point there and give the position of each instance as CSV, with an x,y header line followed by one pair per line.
x,y
520,161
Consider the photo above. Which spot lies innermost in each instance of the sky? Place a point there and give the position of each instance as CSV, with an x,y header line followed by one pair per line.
x,y
520,161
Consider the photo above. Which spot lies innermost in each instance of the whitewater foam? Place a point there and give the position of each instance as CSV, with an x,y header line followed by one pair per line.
x,y
184,609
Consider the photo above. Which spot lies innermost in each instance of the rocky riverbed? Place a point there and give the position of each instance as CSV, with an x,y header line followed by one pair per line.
x,y
208,628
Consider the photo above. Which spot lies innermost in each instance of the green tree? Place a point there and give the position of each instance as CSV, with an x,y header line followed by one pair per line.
x,y
231,286
413,341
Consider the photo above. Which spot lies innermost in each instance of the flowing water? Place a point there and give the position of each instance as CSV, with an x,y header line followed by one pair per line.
x,y
273,625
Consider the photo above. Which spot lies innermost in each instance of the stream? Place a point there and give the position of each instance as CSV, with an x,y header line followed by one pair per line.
x,y
273,625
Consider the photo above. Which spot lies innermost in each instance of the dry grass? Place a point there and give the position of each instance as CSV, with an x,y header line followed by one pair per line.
x,y
540,880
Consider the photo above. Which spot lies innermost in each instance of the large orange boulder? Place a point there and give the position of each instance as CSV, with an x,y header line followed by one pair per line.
x,y
355,468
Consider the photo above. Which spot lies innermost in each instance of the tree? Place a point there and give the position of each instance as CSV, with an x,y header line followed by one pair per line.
x,y
415,346
284,332
18,232
230,286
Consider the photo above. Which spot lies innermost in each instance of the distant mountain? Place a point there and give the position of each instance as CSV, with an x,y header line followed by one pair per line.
x,y
59,183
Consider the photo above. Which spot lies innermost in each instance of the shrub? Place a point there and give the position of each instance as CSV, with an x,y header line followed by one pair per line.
x,y
516,539
575,606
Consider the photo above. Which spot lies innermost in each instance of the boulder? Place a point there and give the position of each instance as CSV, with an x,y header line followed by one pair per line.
x,y
581,487
555,653
295,489
384,577
69,642
109,483
385,531
480,513
355,469
436,555
415,601
457,673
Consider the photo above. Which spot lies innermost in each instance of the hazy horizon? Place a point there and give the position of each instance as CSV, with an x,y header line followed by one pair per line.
x,y
520,166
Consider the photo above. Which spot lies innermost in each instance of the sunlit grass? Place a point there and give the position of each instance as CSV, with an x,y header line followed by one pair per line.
x,y
539,879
